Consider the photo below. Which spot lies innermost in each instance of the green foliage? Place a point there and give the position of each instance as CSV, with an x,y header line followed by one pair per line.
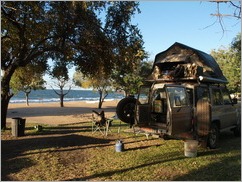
x,y
100,82
27,78
78,79
116,57
24,27
229,61
130,81
129,50
70,33
60,72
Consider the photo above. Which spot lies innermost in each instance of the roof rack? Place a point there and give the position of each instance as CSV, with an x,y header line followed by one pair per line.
x,y
203,79
212,80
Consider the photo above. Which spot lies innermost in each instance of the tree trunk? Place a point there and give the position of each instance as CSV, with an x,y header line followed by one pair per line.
x,y
61,95
62,100
27,98
101,98
4,109
5,95
126,93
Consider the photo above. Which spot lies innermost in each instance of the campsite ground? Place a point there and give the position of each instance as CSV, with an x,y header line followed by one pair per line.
x,y
67,150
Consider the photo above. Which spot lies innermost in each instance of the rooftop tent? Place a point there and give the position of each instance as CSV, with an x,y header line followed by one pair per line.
x,y
180,54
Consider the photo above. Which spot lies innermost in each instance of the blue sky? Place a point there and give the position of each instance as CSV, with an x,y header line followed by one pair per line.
x,y
163,23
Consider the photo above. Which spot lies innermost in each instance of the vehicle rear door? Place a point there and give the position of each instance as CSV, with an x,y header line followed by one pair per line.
x,y
142,110
180,111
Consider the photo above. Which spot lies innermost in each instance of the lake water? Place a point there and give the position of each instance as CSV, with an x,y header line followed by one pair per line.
x,y
49,95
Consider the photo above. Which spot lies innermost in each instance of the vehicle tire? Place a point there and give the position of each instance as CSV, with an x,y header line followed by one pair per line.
x,y
203,117
125,109
213,136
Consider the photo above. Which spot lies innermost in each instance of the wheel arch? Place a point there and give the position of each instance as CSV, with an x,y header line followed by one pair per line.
x,y
217,122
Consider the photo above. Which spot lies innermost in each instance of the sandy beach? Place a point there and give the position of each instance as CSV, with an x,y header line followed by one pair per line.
x,y
53,114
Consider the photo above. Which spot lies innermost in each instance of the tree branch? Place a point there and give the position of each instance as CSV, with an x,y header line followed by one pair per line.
x,y
14,22
220,15
239,7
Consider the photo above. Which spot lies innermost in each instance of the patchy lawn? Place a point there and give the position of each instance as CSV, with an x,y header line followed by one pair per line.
x,y
72,152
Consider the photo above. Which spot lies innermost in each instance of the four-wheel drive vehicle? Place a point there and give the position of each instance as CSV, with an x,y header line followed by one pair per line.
x,y
184,98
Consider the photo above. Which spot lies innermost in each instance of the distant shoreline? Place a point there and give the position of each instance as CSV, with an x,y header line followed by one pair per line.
x,y
65,101
48,96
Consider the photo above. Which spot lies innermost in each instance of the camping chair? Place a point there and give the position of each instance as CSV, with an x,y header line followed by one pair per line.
x,y
100,123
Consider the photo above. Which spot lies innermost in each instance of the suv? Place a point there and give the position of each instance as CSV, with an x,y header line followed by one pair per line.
x,y
184,98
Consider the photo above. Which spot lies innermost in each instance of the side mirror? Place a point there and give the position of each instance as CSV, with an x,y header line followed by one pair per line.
x,y
234,100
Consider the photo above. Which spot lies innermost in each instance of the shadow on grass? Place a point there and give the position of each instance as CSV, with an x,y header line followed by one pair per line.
x,y
120,171
13,166
142,147
12,150
110,143
228,169
62,130
14,155
66,128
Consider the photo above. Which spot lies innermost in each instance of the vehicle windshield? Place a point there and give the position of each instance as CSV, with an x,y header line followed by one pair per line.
x,y
144,95
177,96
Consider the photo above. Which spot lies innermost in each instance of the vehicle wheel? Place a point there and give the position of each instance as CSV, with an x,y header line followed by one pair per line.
x,y
203,117
213,137
125,109
237,130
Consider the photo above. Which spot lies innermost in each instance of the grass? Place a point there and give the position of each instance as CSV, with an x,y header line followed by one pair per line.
x,y
72,152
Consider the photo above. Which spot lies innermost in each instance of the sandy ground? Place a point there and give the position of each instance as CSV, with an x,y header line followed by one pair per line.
x,y
52,113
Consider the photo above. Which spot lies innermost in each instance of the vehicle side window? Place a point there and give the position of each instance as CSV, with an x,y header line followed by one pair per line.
x,y
217,97
144,95
226,97
202,93
177,96
190,95
159,101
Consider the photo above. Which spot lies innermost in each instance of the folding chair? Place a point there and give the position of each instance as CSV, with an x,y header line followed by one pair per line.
x,y
100,123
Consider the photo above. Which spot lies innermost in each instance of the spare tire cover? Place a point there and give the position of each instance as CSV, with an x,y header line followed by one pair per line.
x,y
125,109
203,117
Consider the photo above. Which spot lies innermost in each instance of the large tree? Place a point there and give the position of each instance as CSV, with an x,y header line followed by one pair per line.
x,y
229,59
28,78
33,31
24,39
60,79
118,47
128,46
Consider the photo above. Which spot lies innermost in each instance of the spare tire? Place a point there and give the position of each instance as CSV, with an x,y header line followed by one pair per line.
x,y
203,117
125,109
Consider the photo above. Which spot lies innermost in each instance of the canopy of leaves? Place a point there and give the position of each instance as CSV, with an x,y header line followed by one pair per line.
x,y
229,61
27,78
132,80
69,31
